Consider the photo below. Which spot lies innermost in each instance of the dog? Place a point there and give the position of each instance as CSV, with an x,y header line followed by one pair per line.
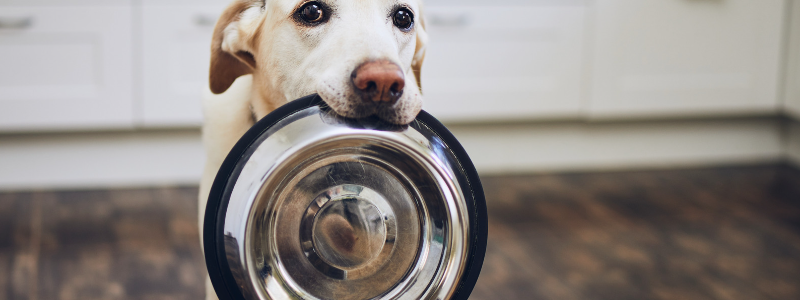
x,y
363,57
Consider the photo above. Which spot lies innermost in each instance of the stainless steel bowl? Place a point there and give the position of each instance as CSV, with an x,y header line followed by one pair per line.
x,y
310,205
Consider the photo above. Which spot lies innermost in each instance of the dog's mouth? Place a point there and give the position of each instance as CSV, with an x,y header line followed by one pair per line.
x,y
371,121
357,108
349,105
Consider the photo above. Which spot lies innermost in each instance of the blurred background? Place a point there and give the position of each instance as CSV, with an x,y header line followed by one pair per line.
x,y
630,149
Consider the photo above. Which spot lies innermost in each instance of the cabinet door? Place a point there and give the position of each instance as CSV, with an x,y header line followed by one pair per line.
x,y
681,57
65,67
176,43
505,61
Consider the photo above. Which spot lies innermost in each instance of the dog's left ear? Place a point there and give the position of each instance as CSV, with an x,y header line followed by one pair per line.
x,y
419,52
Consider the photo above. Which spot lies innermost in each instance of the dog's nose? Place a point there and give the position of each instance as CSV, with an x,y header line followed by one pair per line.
x,y
380,81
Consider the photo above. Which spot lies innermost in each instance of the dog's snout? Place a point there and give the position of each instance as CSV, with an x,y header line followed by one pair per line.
x,y
379,81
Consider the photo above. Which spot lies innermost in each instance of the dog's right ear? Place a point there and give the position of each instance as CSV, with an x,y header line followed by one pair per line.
x,y
419,52
231,53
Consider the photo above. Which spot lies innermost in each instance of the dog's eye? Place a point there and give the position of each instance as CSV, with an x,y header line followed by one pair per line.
x,y
403,19
311,12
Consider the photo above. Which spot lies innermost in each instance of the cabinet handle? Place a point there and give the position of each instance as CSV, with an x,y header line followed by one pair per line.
x,y
205,20
16,22
448,20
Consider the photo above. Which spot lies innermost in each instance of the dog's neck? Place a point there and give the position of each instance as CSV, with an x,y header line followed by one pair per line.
x,y
264,98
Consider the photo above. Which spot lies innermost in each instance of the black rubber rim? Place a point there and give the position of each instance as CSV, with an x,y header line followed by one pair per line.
x,y
213,242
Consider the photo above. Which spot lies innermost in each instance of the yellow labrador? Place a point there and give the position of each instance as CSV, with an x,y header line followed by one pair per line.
x,y
363,57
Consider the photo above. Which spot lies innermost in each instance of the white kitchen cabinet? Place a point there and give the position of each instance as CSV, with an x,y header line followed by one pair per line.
x,y
176,43
111,64
503,62
65,67
685,57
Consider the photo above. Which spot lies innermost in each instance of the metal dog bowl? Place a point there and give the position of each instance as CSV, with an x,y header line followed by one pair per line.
x,y
314,206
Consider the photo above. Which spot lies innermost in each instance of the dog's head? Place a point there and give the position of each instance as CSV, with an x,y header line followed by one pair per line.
x,y
363,57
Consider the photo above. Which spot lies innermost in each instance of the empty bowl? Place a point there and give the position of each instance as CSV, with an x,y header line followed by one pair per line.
x,y
311,205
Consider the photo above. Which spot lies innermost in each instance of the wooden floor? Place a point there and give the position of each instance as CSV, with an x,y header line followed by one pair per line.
x,y
721,233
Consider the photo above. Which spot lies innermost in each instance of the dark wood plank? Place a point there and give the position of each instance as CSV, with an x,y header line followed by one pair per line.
x,y
114,244
727,233
20,216
712,233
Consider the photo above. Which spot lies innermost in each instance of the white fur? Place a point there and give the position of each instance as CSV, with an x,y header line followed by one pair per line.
x,y
292,61
231,37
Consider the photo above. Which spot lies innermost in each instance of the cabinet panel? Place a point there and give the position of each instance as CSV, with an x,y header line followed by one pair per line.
x,y
176,43
65,68
677,57
503,62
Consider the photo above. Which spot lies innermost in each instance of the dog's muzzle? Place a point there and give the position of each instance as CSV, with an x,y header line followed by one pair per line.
x,y
314,206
